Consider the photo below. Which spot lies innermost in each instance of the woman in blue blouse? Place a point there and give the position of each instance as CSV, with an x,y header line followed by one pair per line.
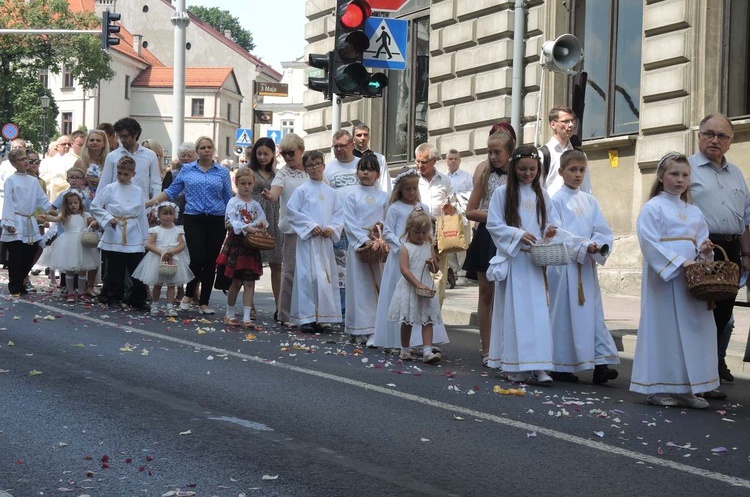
x,y
207,188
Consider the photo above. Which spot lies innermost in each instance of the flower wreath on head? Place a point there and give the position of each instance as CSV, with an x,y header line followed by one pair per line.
x,y
404,174
168,204
71,191
94,170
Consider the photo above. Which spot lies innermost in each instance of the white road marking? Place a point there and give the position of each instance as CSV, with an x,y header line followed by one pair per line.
x,y
527,427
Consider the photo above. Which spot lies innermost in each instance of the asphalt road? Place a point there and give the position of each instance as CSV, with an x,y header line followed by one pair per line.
x,y
193,406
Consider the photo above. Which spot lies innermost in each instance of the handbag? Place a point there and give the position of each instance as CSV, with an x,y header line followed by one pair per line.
x,y
451,236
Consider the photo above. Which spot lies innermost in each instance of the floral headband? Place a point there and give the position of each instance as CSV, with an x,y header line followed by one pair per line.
x,y
410,172
168,204
525,155
73,192
94,171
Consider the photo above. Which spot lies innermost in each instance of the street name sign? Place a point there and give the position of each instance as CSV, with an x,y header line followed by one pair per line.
x,y
273,89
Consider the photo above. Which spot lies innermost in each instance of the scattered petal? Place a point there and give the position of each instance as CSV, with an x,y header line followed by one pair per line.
x,y
599,434
531,434
186,432
210,358
269,477
727,419
144,352
719,450
10,343
249,336
424,439
78,346
34,372
458,418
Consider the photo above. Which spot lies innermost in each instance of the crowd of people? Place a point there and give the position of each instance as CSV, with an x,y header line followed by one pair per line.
x,y
354,245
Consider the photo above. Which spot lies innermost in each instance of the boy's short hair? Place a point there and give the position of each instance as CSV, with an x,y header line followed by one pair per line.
x,y
452,151
574,155
126,163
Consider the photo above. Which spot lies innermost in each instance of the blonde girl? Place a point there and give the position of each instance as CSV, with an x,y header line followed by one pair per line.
x,y
520,214
164,243
417,262
675,358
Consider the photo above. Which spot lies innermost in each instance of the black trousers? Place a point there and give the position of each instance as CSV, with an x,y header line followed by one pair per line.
x,y
120,264
724,308
204,235
20,261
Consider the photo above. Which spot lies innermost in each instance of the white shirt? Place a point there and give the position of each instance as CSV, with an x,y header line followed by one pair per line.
x,y
461,181
147,173
554,181
435,193
342,177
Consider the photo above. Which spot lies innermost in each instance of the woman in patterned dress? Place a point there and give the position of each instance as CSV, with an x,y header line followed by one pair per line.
x,y
262,161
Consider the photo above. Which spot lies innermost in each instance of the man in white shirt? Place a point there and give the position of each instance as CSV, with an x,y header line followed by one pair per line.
x,y
341,174
462,184
77,140
562,121
361,134
52,169
435,190
147,171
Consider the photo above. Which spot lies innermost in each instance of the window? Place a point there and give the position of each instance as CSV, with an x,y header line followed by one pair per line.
x,y
406,97
611,34
67,123
68,80
229,112
127,87
44,77
287,126
735,89
228,146
197,107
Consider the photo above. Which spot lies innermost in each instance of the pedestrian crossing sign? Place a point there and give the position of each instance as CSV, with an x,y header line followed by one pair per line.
x,y
244,137
387,43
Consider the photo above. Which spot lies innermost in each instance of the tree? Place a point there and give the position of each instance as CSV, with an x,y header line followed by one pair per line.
x,y
22,57
223,20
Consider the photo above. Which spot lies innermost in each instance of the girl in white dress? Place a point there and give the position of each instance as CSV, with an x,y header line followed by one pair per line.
x,y
165,242
67,255
675,355
520,214
417,262
404,200
364,213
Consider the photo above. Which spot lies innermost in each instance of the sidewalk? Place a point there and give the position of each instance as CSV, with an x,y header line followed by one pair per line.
x,y
621,313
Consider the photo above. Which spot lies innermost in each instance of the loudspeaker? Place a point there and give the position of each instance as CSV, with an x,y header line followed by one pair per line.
x,y
238,151
562,54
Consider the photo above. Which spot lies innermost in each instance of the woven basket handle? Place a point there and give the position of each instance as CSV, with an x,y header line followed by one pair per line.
x,y
161,259
424,268
723,252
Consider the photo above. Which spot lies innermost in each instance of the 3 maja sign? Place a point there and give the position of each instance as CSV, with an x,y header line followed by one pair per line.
x,y
387,5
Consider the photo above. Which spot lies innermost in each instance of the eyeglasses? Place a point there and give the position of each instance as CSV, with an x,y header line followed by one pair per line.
x,y
341,146
567,122
426,161
314,165
288,153
72,177
34,161
65,144
710,135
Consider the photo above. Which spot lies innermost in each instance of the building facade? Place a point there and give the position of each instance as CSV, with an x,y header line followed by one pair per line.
x,y
655,68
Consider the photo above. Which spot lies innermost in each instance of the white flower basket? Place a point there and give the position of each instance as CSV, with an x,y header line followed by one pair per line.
x,y
550,254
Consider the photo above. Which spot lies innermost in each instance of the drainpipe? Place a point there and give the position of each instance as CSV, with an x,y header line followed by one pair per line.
x,y
519,34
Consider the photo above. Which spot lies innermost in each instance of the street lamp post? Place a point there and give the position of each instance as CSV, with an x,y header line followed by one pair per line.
x,y
45,106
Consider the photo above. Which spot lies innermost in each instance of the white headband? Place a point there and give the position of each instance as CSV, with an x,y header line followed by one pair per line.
x,y
410,172
168,204
667,156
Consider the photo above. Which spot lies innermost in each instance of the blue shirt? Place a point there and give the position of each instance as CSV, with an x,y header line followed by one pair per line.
x,y
206,192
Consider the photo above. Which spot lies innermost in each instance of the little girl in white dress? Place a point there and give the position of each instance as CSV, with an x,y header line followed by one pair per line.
x,y
165,242
417,263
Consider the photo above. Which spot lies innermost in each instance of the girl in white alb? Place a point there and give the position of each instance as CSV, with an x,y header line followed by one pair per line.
x,y
67,255
166,242
675,355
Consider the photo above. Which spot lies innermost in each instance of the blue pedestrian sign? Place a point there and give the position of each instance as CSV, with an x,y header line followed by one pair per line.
x,y
244,137
274,134
387,43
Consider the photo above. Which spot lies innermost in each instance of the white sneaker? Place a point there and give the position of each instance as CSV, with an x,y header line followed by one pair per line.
x,y
185,306
516,377
542,377
431,358
154,310
171,311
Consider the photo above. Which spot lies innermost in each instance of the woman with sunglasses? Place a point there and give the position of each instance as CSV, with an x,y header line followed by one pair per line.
x,y
287,179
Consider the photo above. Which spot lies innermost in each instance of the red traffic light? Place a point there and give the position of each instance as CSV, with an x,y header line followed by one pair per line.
x,y
353,15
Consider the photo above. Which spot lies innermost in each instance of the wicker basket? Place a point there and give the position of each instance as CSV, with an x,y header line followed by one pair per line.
x,y
427,293
550,254
717,280
166,269
89,238
377,253
260,240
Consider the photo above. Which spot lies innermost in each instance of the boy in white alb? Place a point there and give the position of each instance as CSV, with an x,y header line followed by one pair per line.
x,y
120,211
581,340
23,196
315,213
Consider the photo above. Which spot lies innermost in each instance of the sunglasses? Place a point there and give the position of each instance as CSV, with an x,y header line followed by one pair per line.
x,y
288,153
34,161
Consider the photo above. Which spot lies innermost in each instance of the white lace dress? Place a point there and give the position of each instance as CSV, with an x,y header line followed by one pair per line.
x,y
406,306
67,254
148,269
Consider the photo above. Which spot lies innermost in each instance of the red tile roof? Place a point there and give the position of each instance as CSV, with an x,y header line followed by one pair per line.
x,y
195,77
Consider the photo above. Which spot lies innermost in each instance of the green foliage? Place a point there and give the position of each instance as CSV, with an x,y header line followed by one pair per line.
x,y
23,56
223,20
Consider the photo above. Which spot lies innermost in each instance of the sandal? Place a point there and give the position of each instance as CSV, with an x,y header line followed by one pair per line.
x,y
253,314
485,360
250,325
231,321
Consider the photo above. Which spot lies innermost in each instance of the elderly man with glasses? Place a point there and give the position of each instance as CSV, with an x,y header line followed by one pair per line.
x,y
719,190
562,122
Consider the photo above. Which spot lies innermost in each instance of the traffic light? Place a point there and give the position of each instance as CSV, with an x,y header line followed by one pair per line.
x,y
322,84
110,28
348,74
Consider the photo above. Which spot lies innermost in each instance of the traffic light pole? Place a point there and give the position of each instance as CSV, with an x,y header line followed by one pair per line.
x,y
336,114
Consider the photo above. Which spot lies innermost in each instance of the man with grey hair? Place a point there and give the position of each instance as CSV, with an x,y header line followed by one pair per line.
x,y
435,190
341,174
719,190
